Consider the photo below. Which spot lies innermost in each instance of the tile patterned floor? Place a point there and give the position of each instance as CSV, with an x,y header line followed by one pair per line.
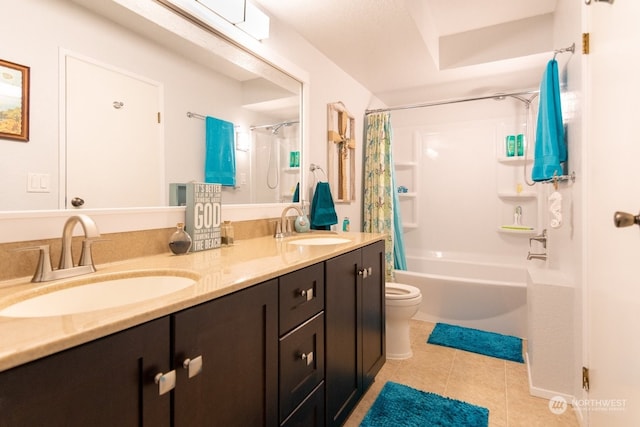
x,y
499,385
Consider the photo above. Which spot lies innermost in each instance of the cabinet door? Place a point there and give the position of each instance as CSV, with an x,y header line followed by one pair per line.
x,y
108,382
237,338
373,312
343,357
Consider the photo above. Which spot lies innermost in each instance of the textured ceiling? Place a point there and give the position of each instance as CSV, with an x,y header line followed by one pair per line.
x,y
411,50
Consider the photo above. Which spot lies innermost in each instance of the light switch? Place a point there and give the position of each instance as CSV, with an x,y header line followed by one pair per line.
x,y
38,182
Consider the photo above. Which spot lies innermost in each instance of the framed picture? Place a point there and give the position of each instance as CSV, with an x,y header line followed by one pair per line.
x,y
14,101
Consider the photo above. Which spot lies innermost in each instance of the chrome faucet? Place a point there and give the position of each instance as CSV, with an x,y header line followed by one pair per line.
x,y
283,228
44,271
542,238
531,256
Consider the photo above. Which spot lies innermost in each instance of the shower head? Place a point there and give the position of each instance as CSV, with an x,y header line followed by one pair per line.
x,y
276,128
502,97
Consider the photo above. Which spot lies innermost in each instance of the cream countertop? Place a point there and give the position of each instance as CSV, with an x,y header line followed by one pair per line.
x,y
218,272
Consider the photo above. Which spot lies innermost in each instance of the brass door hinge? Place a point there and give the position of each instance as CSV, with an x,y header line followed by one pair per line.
x,y
159,117
585,378
585,43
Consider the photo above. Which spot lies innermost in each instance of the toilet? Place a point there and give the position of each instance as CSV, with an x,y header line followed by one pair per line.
x,y
402,303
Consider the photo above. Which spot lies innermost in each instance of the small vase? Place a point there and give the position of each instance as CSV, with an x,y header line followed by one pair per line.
x,y
180,241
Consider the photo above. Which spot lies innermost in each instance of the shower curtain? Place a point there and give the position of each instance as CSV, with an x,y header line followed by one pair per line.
x,y
381,211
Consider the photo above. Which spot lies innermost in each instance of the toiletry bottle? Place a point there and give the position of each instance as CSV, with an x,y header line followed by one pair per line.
x,y
511,145
227,233
180,241
520,145
345,224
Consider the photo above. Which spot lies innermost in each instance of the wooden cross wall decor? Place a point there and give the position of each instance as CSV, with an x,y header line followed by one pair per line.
x,y
341,146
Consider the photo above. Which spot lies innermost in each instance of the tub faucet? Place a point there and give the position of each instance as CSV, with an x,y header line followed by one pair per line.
x,y
542,238
44,271
531,256
283,228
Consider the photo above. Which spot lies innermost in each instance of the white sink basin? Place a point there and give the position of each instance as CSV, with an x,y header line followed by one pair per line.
x,y
315,241
108,293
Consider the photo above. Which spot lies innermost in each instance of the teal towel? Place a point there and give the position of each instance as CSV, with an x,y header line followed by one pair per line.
x,y
550,145
220,157
296,194
323,212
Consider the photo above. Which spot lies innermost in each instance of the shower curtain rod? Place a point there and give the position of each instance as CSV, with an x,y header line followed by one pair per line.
x,y
451,101
285,123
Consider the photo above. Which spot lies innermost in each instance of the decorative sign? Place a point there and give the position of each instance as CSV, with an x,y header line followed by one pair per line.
x,y
341,169
203,212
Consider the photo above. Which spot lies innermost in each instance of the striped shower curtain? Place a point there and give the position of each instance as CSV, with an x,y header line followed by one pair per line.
x,y
381,213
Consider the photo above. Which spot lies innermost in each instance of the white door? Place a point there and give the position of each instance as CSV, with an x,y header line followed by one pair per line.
x,y
613,255
114,149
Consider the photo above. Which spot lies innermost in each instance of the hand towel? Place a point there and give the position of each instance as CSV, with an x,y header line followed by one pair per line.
x,y
323,212
220,160
296,194
550,148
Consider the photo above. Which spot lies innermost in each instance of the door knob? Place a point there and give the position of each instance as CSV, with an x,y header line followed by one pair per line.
x,y
624,219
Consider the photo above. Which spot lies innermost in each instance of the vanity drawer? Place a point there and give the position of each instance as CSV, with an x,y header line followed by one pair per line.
x,y
301,296
310,413
301,363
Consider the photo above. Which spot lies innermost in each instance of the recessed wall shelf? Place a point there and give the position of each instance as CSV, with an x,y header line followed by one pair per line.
x,y
513,195
516,161
517,231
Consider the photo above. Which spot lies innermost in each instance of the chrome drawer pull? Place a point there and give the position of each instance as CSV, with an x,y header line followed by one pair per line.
x,y
194,366
166,382
308,293
307,357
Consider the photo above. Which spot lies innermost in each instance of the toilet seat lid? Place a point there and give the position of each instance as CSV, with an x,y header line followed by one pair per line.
x,y
397,291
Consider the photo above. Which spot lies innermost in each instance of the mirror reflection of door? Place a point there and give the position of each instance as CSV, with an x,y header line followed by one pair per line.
x,y
114,147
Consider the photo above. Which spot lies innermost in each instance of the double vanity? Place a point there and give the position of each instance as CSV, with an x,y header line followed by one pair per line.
x,y
266,332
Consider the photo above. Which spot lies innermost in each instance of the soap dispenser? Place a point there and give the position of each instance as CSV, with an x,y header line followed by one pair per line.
x,y
302,224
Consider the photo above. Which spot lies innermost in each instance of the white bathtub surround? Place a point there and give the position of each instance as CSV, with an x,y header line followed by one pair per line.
x,y
550,297
468,291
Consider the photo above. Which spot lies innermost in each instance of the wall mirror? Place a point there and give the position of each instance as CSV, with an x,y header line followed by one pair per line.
x,y
193,73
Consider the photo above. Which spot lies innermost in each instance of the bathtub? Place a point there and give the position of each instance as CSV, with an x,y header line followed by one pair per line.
x,y
475,293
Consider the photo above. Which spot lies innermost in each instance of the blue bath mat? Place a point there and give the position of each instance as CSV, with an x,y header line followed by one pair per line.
x,y
477,341
400,406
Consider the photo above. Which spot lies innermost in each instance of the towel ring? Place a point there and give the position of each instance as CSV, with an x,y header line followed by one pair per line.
x,y
313,167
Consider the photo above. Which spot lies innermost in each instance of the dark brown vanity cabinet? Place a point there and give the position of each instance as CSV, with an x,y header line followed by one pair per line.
x,y
355,327
235,383
298,350
108,382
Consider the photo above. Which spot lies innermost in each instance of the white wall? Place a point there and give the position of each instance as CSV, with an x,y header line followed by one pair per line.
x,y
567,243
328,84
459,177
46,26
40,30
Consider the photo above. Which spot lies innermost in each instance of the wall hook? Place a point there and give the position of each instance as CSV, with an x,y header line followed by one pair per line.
x,y
118,104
